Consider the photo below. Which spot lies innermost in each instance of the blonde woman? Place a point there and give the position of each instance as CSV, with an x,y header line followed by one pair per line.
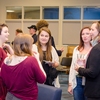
x,y
21,71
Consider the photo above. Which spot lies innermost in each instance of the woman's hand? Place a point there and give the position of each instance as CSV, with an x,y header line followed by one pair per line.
x,y
81,62
76,67
8,48
70,90
54,64
62,49
5,45
35,54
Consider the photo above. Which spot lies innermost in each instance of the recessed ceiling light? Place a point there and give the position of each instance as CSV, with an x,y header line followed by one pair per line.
x,y
9,10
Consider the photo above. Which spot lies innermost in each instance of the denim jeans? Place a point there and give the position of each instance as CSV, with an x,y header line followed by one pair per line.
x,y
78,91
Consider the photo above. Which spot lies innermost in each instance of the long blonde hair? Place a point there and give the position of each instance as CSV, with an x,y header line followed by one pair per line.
x,y
97,38
48,51
23,45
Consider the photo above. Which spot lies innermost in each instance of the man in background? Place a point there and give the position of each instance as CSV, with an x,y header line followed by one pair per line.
x,y
32,31
17,31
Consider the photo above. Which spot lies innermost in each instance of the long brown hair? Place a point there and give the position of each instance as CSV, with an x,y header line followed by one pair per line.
x,y
48,51
23,45
81,44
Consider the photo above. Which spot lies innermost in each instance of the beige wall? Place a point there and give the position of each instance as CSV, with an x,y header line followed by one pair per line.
x,y
60,3
4,3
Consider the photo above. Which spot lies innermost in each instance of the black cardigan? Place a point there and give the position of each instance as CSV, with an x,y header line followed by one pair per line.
x,y
92,73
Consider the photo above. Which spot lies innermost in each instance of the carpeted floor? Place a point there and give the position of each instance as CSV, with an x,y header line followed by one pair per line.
x,y
63,78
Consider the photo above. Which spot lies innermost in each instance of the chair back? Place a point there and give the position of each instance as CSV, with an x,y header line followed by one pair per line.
x,y
46,92
66,61
70,51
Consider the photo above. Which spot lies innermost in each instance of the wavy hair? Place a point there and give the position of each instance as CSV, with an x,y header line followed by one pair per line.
x,y
81,44
48,51
42,23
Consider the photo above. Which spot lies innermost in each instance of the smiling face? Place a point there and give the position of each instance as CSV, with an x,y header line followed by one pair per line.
x,y
4,34
94,32
44,37
86,36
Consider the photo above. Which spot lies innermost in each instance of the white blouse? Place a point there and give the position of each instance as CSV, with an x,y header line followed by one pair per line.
x,y
73,73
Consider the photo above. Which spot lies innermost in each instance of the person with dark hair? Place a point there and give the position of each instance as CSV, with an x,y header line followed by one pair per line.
x,y
21,71
18,31
5,50
92,70
32,31
44,23
80,54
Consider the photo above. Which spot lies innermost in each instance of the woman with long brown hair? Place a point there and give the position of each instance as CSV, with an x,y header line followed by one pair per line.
x,y
92,70
48,56
80,54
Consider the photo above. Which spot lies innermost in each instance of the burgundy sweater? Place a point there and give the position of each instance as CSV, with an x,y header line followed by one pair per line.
x,y
3,55
21,79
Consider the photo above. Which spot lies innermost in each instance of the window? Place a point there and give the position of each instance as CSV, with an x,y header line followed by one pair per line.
x,y
51,13
72,13
91,13
31,12
64,26
13,12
